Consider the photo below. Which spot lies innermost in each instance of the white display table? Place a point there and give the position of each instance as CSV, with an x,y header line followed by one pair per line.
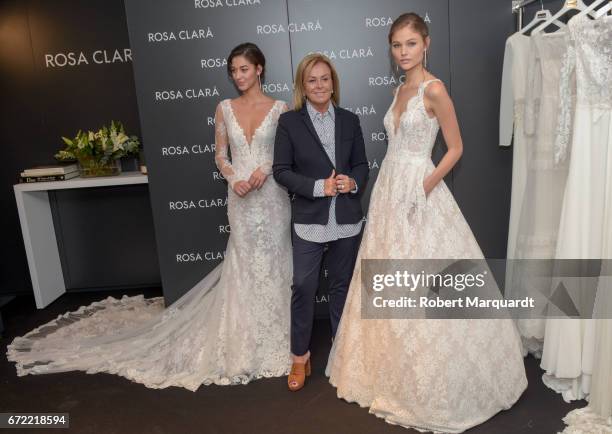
x,y
39,234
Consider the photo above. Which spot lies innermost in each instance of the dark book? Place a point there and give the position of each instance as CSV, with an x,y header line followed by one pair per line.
x,y
24,179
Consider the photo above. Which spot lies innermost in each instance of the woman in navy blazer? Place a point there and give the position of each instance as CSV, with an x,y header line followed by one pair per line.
x,y
319,155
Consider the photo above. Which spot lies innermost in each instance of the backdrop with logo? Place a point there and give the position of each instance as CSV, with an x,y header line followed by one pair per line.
x,y
66,65
179,51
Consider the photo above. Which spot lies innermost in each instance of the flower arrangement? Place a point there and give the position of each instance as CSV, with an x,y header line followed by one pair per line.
x,y
98,153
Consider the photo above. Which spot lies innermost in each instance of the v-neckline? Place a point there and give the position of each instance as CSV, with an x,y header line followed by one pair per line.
x,y
229,102
399,119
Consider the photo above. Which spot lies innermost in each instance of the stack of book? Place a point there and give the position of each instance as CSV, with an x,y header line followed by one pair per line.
x,y
57,172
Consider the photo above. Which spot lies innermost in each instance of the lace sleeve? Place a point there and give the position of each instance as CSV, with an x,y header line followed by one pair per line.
x,y
533,90
566,86
266,167
221,147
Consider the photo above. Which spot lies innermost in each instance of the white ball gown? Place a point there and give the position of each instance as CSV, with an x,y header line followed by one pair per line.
x,y
230,328
432,375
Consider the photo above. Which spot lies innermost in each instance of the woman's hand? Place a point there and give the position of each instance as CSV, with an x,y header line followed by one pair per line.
x,y
329,187
241,188
344,184
428,185
257,179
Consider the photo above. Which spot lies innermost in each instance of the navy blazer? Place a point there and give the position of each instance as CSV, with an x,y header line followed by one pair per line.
x,y
300,159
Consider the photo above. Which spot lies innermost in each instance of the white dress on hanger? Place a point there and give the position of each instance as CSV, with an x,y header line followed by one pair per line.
x,y
545,184
230,328
592,131
512,107
428,374
517,56
586,216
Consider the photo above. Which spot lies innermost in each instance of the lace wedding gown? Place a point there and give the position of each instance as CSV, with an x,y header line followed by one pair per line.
x,y
437,375
585,131
584,347
230,328
540,210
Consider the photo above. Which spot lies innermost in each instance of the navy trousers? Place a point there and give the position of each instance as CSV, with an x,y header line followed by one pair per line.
x,y
307,259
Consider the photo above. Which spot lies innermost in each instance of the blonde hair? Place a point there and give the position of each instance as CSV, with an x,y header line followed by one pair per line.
x,y
299,92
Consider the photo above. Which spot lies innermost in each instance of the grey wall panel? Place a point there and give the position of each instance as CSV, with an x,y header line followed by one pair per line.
x,y
482,178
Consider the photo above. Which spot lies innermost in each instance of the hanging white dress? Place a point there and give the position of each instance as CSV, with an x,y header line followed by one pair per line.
x,y
545,184
230,328
592,42
585,131
517,56
512,107
428,374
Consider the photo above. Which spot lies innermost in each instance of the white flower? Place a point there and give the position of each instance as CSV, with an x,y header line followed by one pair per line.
x,y
117,142
122,138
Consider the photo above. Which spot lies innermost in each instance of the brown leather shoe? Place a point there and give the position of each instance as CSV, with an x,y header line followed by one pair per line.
x,y
298,374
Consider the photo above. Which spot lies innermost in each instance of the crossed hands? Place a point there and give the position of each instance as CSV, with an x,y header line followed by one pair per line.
x,y
255,182
338,184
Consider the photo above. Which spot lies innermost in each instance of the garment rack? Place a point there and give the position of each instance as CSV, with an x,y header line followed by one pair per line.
x,y
518,8
519,4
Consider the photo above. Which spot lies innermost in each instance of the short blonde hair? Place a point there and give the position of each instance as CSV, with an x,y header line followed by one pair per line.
x,y
299,92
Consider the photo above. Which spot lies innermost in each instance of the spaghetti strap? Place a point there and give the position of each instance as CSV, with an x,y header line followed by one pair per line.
x,y
425,83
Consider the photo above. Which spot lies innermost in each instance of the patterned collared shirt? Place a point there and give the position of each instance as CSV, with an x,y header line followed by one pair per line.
x,y
325,126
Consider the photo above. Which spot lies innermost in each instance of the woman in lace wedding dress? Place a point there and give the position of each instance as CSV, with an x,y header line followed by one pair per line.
x,y
233,325
428,374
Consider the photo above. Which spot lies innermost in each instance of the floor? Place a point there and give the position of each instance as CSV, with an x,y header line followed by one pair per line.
x,y
104,403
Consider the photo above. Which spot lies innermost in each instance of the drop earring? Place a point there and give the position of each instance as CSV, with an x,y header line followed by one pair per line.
x,y
425,57
259,80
